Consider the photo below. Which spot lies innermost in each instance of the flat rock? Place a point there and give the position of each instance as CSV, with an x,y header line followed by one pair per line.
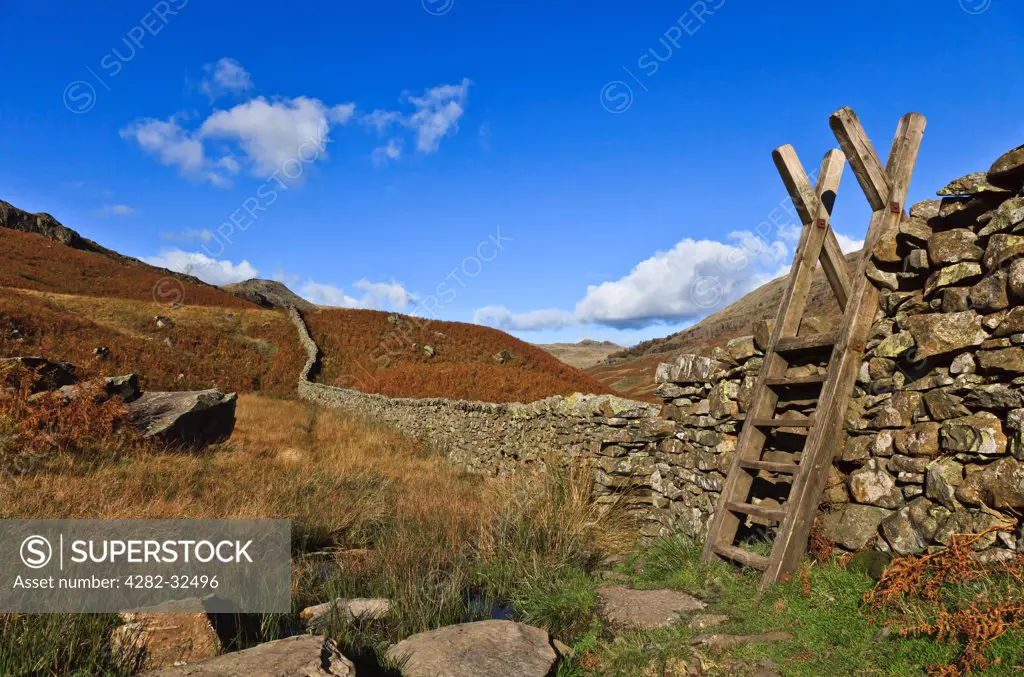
x,y
953,246
972,184
1001,248
644,609
194,419
481,649
301,656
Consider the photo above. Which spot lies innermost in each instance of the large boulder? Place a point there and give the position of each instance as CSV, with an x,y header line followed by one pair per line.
x,y
193,419
124,387
481,649
301,656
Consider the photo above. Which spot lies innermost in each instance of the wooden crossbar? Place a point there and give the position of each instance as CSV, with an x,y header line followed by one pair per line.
x,y
886,191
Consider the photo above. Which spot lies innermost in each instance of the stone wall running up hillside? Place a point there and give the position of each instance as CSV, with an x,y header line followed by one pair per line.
x,y
501,438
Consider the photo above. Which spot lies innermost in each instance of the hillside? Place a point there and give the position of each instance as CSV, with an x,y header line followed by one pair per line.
x,y
631,371
63,296
406,356
583,354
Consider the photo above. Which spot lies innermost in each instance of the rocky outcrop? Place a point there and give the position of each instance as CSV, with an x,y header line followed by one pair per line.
x,y
191,419
42,374
268,294
301,656
482,649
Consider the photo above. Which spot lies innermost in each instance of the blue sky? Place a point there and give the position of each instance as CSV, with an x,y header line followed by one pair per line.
x,y
558,169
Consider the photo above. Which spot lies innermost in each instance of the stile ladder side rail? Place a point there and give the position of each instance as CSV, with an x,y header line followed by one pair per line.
x,y
725,524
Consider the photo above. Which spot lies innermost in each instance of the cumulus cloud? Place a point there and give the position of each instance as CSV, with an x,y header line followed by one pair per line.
x,y
226,77
685,283
264,135
213,271
271,133
367,295
117,210
436,115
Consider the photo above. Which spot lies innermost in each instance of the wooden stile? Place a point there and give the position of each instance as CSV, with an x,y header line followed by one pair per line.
x,y
886,191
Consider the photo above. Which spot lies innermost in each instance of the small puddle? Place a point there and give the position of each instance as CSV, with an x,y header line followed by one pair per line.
x,y
481,607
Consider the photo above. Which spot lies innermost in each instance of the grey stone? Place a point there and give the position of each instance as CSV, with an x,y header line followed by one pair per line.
x,y
940,333
347,610
978,434
956,274
1001,248
999,485
943,404
481,649
690,369
741,348
902,534
953,246
994,397
1006,216
853,526
301,656
990,295
1005,361
963,364
920,439
895,345
626,608
123,387
872,485
942,478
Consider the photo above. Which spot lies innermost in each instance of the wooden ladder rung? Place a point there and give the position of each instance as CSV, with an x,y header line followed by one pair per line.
x,y
782,422
773,513
744,557
809,342
796,380
771,466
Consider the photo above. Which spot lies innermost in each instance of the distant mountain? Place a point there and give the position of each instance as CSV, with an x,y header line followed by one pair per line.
x,y
586,353
267,294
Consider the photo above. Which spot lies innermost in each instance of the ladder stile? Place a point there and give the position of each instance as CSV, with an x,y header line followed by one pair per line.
x,y
886,191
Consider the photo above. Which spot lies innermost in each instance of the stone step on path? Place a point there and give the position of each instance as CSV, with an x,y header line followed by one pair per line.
x,y
628,609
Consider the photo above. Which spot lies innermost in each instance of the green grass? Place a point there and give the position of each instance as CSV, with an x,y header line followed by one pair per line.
x,y
832,633
58,644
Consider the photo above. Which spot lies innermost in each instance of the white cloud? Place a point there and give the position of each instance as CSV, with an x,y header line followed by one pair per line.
x,y
381,119
170,142
848,244
201,234
213,271
388,152
226,77
272,133
685,283
374,295
437,114
117,210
